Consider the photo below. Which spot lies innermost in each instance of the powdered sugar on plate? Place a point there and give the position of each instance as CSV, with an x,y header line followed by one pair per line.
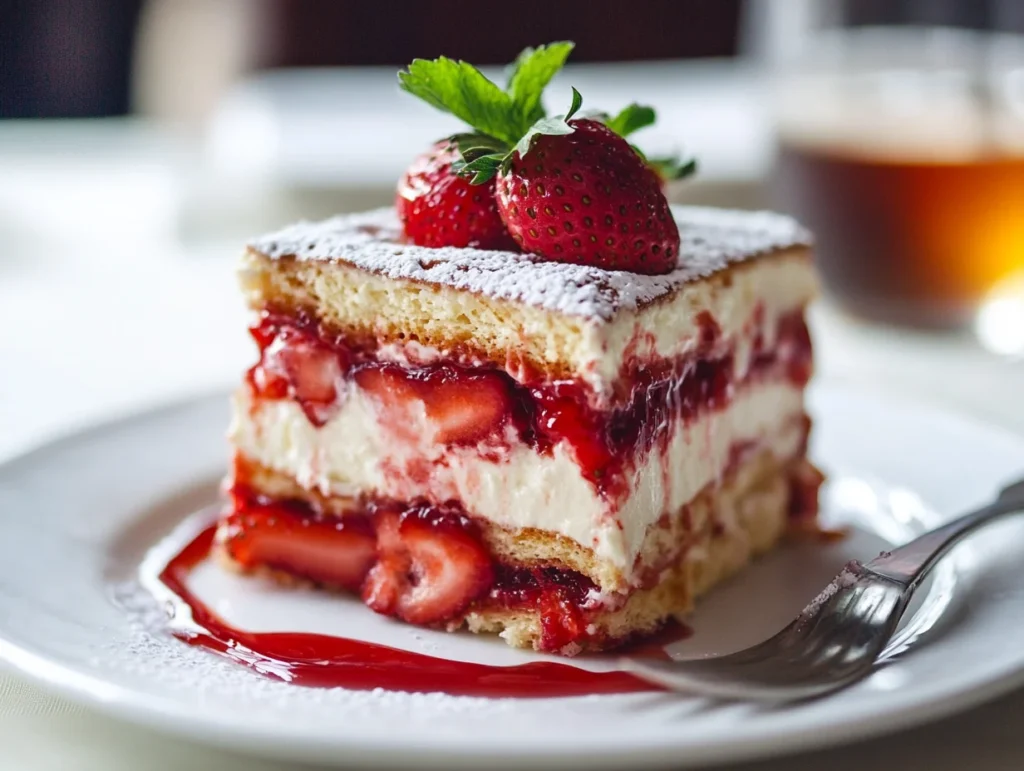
x,y
711,240
849,575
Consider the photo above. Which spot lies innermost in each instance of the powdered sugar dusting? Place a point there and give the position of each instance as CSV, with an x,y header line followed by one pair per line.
x,y
847,577
711,240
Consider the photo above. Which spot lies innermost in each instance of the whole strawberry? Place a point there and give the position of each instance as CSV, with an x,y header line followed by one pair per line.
x,y
588,198
571,190
439,208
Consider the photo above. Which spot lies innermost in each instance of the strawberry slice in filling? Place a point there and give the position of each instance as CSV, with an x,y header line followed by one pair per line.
x,y
424,564
429,566
335,552
297,365
459,407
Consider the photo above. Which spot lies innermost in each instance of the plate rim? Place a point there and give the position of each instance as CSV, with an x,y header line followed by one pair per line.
x,y
143,711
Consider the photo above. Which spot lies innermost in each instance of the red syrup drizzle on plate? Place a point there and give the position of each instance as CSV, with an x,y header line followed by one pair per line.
x,y
324,661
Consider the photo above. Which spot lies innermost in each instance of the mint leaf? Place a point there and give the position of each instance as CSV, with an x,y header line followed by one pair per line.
x,y
673,167
472,146
555,126
500,119
630,119
531,73
577,102
461,89
480,169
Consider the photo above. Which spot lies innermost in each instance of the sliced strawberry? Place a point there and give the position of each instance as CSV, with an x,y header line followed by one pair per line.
x,y
562,413
429,568
561,623
336,552
461,407
397,401
387,578
312,371
268,383
388,385
465,408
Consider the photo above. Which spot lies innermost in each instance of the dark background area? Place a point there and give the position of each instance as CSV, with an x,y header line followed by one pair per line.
x,y
73,58
324,32
66,58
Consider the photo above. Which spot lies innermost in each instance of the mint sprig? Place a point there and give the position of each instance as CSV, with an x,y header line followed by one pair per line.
x,y
479,164
557,125
506,122
673,167
461,89
530,74
637,116
630,119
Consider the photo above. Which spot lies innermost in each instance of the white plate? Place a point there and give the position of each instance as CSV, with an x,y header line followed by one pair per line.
x,y
77,518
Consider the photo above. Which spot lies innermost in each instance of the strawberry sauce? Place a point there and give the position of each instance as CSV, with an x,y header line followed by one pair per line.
x,y
317,660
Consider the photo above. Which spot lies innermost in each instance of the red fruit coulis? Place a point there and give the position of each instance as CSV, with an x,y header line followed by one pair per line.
x,y
324,661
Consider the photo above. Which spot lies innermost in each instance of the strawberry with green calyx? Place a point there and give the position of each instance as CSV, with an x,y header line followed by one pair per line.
x,y
436,203
438,207
569,189
635,117
588,198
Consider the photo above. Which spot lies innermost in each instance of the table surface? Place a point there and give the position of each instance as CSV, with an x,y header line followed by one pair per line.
x,y
96,327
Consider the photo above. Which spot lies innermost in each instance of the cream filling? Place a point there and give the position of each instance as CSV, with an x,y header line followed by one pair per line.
x,y
513,485
671,329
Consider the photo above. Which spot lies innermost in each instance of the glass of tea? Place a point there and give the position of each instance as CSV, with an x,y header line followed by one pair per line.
x,y
902,148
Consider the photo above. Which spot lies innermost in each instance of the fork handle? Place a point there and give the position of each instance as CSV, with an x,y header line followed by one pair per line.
x,y
910,563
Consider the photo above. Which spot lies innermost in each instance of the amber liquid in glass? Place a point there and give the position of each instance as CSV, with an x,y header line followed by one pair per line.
x,y
907,241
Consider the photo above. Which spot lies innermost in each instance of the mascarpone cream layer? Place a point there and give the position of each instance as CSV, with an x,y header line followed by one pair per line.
x,y
511,484
671,328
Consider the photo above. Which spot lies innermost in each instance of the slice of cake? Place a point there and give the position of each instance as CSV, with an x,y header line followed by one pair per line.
x,y
533,399
560,453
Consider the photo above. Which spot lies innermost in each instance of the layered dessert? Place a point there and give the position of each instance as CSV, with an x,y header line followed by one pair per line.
x,y
532,399
564,455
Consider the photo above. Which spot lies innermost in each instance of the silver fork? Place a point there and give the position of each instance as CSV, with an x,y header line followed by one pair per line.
x,y
835,640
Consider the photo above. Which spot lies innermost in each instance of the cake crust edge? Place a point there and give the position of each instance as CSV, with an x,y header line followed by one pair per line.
x,y
424,318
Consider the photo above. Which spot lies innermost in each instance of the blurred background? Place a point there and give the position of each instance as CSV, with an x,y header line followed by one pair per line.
x,y
142,141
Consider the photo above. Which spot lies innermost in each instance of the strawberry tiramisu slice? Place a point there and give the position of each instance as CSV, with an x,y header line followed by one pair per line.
x,y
565,446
